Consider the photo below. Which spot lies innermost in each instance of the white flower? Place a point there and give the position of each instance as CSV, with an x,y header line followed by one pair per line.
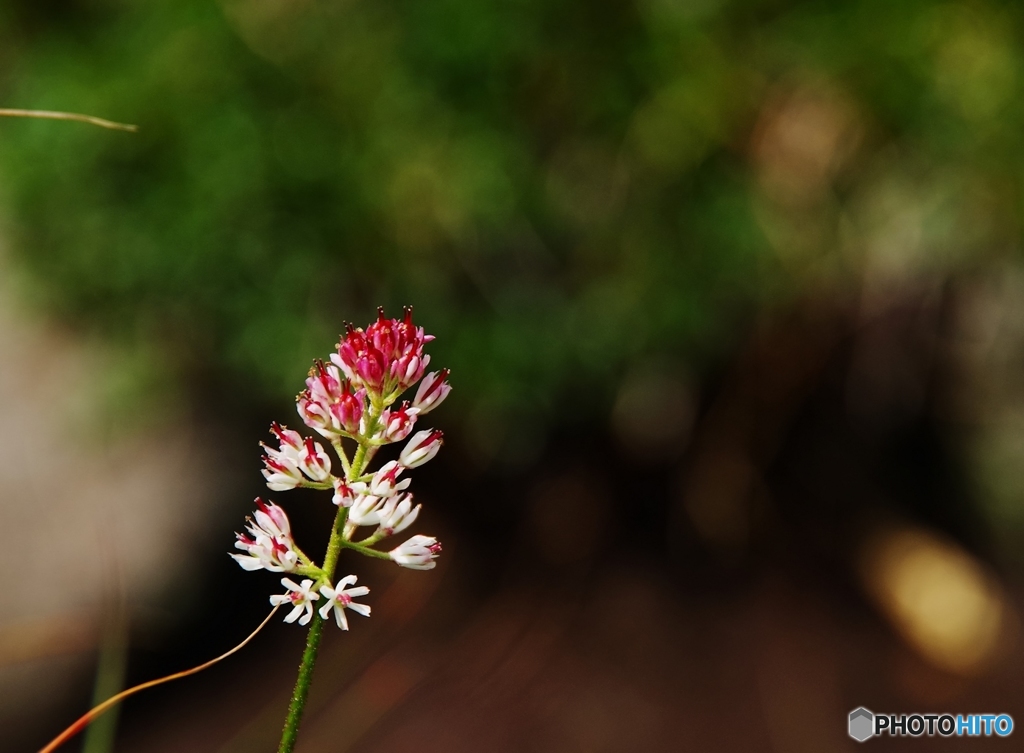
x,y
296,460
397,423
365,511
300,596
418,553
290,441
280,476
432,392
397,515
340,599
314,462
345,494
272,519
268,544
385,481
421,448
282,465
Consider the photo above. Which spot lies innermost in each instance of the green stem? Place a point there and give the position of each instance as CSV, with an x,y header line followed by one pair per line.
x,y
334,546
359,460
302,683
340,449
366,550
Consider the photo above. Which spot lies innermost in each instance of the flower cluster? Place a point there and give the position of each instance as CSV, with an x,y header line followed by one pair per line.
x,y
351,398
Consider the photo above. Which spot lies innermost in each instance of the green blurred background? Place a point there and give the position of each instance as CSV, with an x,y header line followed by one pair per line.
x,y
560,188
645,232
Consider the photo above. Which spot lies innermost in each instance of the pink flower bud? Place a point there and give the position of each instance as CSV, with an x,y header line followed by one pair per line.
x,y
346,494
328,404
361,361
388,355
272,518
348,411
432,392
382,333
324,382
397,423
370,369
314,462
385,481
315,414
290,441
421,448
407,369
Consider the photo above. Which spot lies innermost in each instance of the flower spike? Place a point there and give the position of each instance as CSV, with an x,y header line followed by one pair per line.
x,y
355,397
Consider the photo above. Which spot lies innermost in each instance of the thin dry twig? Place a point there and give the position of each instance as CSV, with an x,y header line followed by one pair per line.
x,y
86,719
54,115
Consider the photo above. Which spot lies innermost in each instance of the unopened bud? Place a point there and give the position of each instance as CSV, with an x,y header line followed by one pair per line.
x,y
421,448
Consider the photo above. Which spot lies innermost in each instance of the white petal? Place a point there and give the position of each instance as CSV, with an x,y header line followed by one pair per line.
x,y
363,609
247,562
424,566
280,485
339,615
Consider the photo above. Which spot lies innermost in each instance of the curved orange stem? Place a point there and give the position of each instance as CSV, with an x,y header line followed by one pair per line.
x,y
86,719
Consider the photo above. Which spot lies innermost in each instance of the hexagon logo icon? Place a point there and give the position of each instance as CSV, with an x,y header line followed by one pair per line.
x,y
862,724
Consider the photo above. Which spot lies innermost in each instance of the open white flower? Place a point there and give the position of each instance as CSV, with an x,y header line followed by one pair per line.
x,y
340,599
300,595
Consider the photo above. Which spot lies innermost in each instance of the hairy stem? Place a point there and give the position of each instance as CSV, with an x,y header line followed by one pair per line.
x,y
302,683
335,544
334,547
366,550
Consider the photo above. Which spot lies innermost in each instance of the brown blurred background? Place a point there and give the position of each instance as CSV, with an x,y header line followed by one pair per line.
x,y
733,296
